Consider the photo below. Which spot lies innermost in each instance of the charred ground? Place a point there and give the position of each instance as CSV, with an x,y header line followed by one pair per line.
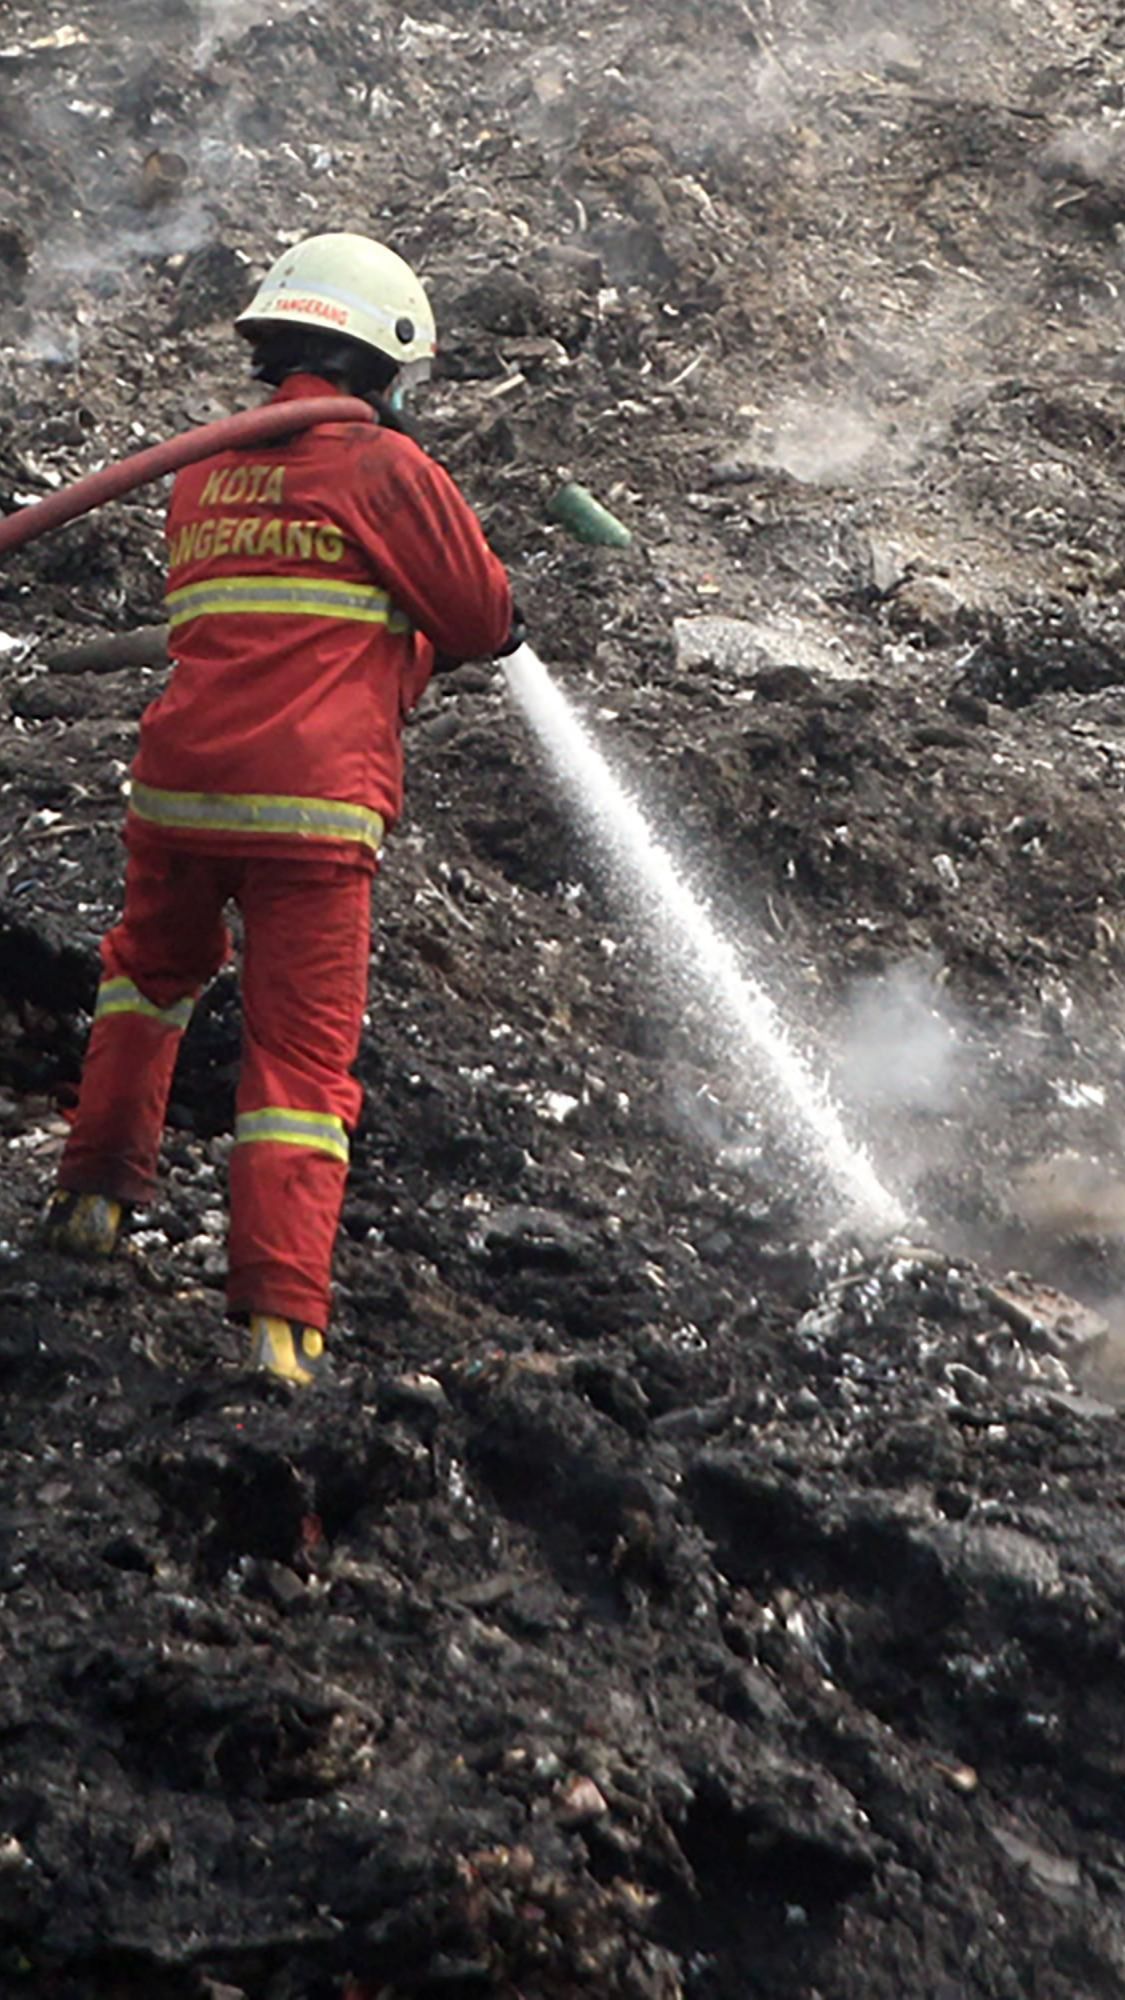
x,y
661,1603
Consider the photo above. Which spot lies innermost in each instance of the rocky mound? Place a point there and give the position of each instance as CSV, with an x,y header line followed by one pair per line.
x,y
672,1596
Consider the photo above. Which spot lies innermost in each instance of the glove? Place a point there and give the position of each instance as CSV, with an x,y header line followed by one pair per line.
x,y
517,635
446,663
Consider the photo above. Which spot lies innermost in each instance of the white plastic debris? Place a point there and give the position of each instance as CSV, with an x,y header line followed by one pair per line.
x,y
65,37
557,1106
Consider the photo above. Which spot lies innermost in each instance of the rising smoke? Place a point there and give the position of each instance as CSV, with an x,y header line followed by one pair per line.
x,y
903,1046
142,193
225,20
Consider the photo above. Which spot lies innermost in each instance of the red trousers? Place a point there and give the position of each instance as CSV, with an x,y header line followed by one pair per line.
x,y
304,988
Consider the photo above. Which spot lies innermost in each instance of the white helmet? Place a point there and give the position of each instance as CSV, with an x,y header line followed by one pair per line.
x,y
351,285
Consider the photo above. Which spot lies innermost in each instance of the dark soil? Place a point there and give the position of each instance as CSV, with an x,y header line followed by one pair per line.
x,y
670,1596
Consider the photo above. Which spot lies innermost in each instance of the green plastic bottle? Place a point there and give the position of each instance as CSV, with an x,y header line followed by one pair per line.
x,y
575,508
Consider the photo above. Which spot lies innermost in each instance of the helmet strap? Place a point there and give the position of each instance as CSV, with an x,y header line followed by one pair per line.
x,y
392,415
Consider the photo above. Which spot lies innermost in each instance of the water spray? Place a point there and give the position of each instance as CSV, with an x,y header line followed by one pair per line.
x,y
741,1007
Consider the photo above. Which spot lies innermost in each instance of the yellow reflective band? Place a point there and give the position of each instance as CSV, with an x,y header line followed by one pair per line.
x,y
120,996
259,813
301,597
279,1126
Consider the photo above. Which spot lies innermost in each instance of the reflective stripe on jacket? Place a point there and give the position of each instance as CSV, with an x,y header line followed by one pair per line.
x,y
250,596
310,583
245,813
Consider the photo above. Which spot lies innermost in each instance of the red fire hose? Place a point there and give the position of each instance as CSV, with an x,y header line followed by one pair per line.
x,y
249,427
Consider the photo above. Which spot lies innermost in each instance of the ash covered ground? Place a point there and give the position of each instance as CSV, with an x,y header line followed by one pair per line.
x,y
673,1596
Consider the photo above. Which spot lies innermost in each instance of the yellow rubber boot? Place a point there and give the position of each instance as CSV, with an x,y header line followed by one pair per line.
x,y
82,1225
283,1348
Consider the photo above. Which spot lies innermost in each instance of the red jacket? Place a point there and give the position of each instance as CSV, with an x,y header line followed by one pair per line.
x,y
310,583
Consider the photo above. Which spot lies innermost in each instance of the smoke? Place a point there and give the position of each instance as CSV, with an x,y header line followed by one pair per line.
x,y
837,439
907,373
225,20
136,200
74,271
1008,1130
1082,152
923,317
1071,1194
903,1046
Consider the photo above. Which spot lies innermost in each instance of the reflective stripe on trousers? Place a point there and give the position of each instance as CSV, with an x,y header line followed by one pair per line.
x,y
259,812
294,597
280,1125
120,996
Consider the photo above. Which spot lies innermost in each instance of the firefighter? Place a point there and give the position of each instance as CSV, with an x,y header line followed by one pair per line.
x,y
311,585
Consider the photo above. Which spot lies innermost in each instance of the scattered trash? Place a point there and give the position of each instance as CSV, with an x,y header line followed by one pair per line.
x,y
732,644
962,1777
582,1500
579,1801
1071,1194
1047,1319
58,42
491,1591
535,1236
162,178
1052,1872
